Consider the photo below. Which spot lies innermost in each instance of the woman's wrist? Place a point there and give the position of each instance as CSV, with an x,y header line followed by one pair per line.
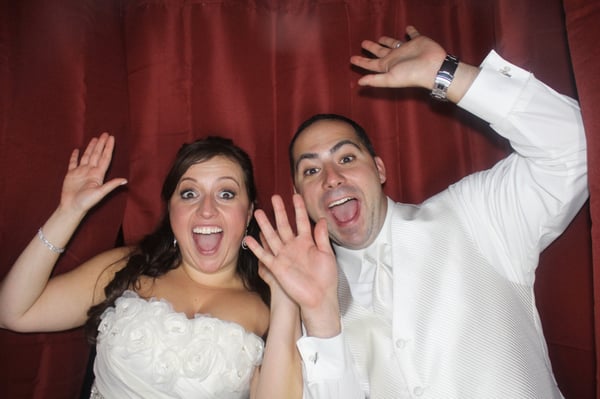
x,y
58,229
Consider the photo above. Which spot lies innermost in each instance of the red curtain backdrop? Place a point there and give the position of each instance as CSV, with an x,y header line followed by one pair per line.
x,y
159,73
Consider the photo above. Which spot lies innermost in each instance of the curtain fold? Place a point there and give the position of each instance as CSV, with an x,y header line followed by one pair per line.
x,y
581,18
564,292
62,81
158,73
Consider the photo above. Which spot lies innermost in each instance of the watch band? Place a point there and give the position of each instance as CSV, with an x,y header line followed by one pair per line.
x,y
444,77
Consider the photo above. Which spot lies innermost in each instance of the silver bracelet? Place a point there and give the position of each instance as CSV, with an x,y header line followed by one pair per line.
x,y
48,244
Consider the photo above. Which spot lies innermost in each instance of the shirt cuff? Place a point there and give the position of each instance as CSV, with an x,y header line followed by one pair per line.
x,y
495,90
323,358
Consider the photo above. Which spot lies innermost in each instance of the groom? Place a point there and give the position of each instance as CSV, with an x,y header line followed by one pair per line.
x,y
433,300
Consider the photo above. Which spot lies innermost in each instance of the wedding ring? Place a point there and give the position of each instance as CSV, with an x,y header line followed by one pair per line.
x,y
398,44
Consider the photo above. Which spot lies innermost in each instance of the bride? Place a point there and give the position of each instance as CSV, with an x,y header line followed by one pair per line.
x,y
184,313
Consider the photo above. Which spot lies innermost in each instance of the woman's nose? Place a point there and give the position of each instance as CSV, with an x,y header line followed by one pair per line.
x,y
207,207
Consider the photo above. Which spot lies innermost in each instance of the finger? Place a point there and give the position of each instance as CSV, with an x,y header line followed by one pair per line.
x,y
98,150
104,190
412,32
85,158
270,235
375,48
281,219
302,219
389,42
376,80
264,242
370,64
107,151
73,159
322,236
111,185
263,256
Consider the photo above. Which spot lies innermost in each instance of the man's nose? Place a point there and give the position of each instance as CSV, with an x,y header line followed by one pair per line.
x,y
333,177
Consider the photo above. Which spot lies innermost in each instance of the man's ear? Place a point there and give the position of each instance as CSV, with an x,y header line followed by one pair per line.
x,y
380,169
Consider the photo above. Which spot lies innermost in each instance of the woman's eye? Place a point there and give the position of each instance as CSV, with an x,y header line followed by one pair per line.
x,y
227,195
188,194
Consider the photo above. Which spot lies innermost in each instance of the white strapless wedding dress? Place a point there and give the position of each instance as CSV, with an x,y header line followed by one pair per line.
x,y
146,350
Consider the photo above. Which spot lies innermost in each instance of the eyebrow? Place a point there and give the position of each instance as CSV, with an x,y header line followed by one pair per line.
x,y
222,178
332,150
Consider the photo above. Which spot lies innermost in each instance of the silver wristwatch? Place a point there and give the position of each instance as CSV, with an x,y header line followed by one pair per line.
x,y
444,78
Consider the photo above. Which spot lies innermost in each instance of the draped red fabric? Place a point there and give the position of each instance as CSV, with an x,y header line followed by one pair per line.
x,y
583,32
62,81
159,73
564,290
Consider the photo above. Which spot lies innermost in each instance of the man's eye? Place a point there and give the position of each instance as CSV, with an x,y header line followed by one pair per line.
x,y
188,194
310,171
227,195
347,158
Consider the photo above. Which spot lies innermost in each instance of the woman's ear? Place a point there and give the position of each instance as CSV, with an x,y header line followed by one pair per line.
x,y
250,214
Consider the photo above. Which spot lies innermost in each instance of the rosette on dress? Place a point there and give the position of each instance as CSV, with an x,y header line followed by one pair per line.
x,y
146,349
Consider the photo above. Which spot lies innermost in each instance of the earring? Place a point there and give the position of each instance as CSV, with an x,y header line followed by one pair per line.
x,y
175,242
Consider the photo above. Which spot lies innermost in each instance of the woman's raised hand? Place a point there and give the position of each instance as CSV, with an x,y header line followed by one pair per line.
x,y
84,184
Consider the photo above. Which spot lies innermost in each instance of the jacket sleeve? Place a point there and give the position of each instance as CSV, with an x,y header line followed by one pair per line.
x,y
518,207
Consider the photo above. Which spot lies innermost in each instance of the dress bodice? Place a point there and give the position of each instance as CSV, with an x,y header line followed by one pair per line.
x,y
147,350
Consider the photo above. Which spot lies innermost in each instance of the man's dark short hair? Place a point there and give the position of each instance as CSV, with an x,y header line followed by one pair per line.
x,y
361,134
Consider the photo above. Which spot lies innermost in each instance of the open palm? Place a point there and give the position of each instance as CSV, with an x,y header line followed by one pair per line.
x,y
84,186
304,266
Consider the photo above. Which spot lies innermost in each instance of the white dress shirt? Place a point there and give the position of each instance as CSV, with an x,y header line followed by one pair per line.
x,y
361,267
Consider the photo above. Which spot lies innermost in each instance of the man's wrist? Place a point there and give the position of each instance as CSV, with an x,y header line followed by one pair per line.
x,y
323,322
444,78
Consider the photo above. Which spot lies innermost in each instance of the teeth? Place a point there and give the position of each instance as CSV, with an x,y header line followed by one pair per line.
x,y
207,230
340,202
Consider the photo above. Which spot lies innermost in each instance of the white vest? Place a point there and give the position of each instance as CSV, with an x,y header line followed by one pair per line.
x,y
461,328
